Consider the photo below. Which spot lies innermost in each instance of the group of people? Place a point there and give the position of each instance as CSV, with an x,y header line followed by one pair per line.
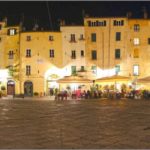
x,y
94,94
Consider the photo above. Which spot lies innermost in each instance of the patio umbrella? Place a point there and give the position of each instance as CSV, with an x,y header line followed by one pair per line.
x,y
74,79
144,80
113,78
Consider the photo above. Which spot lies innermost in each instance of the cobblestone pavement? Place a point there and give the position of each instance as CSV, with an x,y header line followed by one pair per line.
x,y
75,124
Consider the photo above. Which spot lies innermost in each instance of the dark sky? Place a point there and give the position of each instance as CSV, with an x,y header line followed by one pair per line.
x,y
68,10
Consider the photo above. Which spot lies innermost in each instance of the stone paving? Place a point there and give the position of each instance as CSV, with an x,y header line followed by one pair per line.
x,y
45,124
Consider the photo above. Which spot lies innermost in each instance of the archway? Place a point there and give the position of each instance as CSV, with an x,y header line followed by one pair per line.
x,y
28,88
10,87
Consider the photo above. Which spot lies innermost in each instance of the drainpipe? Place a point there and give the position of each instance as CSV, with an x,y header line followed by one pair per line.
x,y
109,43
103,50
20,82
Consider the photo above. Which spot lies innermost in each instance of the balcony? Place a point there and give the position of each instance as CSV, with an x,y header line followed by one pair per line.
x,y
73,57
73,41
82,39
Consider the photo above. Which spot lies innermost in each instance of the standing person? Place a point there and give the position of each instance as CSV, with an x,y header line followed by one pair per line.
x,y
56,94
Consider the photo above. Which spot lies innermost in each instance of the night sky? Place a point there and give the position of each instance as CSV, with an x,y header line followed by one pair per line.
x,y
71,12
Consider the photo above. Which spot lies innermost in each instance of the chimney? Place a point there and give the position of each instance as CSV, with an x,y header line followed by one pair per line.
x,y
145,14
5,20
129,14
62,23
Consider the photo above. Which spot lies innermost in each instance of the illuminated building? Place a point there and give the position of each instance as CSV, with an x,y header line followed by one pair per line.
x,y
102,47
41,61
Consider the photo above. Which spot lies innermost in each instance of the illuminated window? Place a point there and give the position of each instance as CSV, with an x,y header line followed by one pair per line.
x,y
94,54
28,70
117,69
73,70
136,41
93,37
51,53
73,54
136,53
135,70
118,36
28,53
136,27
11,55
94,69
11,31
117,53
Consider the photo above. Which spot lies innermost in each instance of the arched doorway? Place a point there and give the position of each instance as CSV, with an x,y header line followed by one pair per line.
x,y
28,88
52,84
10,87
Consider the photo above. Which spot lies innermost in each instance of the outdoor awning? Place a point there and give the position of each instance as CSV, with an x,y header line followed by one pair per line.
x,y
144,80
113,78
74,79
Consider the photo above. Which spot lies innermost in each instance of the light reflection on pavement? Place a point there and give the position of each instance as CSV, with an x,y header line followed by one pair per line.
x,y
75,124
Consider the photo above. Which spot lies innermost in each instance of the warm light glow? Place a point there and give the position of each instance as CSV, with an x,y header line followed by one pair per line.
x,y
3,74
53,84
53,71
105,73
74,86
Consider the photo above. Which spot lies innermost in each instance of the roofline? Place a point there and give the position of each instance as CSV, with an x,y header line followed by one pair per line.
x,y
40,31
72,26
105,17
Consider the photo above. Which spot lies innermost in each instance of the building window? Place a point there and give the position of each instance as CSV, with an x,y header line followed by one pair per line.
x,y
82,53
118,23
104,23
117,69
148,41
51,38
97,23
28,70
51,53
136,53
136,27
93,37
28,53
118,36
72,38
82,68
135,70
28,38
0,39
73,54
117,53
122,22
136,41
94,69
11,55
94,54
89,23
73,70
11,31
81,37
